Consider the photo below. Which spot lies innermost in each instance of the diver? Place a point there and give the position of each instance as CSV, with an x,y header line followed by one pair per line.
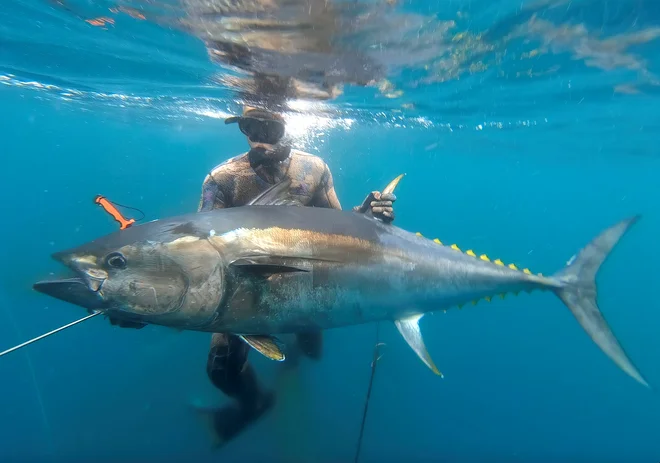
x,y
234,183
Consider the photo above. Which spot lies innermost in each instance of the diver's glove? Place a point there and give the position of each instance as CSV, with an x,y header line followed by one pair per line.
x,y
380,205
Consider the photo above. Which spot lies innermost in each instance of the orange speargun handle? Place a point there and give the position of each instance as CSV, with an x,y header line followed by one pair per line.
x,y
112,210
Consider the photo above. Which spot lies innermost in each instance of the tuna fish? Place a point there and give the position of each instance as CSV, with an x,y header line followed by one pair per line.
x,y
270,268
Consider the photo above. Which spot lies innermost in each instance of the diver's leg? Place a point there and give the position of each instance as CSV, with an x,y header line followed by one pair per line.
x,y
311,343
229,371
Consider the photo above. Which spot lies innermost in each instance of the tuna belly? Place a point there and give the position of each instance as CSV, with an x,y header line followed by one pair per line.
x,y
329,296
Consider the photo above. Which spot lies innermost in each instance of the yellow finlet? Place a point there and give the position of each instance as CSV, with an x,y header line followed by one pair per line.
x,y
502,295
484,257
487,298
475,302
418,234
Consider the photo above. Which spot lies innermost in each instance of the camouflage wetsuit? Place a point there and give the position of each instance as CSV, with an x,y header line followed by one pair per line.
x,y
231,184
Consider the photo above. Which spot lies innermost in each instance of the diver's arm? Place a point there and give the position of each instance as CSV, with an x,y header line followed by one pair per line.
x,y
212,195
326,195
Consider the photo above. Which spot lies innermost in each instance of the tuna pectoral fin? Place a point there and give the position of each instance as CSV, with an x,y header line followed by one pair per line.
x,y
265,345
579,293
271,264
276,195
409,329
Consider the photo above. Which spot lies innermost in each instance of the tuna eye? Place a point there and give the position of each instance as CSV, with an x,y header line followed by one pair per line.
x,y
116,260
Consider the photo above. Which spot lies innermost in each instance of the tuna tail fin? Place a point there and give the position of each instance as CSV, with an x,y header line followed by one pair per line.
x,y
579,293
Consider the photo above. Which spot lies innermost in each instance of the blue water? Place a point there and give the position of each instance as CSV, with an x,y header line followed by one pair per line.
x,y
522,138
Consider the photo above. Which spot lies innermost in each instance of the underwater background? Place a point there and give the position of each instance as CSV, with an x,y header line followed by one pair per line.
x,y
523,128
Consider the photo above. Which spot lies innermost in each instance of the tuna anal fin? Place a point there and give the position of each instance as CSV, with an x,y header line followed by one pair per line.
x,y
276,195
409,329
271,264
265,345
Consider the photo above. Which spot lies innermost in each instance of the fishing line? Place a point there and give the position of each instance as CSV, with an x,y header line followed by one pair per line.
x,y
40,400
374,362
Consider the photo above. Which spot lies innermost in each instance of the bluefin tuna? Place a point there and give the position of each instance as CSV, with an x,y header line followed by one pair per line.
x,y
270,268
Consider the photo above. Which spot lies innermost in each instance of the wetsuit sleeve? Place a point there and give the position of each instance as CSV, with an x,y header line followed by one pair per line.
x,y
212,195
326,195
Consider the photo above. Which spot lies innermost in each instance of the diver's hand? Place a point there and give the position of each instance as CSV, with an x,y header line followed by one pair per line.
x,y
380,205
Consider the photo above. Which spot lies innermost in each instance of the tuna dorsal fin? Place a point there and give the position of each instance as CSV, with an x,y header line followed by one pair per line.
x,y
392,185
388,190
268,346
409,329
270,264
276,195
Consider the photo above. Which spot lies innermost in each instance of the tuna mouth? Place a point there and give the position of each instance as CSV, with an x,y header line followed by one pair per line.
x,y
82,290
75,291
